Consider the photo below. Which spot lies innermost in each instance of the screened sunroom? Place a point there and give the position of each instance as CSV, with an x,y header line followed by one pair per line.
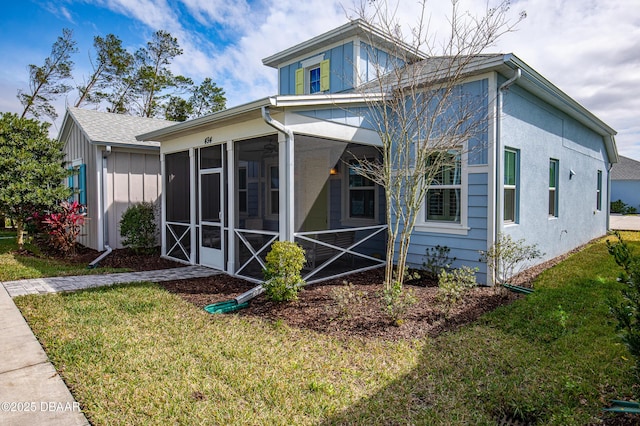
x,y
226,203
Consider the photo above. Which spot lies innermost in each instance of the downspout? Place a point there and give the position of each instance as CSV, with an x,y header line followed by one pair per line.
x,y
105,223
287,232
498,159
608,206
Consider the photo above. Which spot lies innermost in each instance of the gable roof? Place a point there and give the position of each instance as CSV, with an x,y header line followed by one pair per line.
x,y
626,169
105,128
355,28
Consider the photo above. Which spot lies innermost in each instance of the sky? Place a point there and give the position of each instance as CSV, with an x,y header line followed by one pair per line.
x,y
590,49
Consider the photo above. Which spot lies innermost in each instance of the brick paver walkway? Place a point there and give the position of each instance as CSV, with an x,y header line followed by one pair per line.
x,y
79,282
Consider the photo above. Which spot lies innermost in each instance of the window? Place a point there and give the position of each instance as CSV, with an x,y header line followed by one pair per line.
x,y
510,185
444,195
362,194
78,182
553,188
242,190
314,80
274,191
313,76
599,191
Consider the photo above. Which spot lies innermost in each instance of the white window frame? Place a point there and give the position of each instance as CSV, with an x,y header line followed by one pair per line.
x,y
443,227
309,65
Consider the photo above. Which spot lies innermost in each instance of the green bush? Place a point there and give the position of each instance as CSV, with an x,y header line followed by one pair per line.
x,y
621,207
396,302
138,228
436,259
506,257
282,278
453,285
627,310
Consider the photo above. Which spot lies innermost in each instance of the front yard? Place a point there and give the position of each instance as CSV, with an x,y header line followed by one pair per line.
x,y
138,354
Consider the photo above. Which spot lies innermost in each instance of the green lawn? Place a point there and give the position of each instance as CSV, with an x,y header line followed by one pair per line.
x,y
135,354
15,266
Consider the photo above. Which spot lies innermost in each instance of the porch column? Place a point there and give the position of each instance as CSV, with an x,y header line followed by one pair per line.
x,y
231,210
163,208
192,203
286,187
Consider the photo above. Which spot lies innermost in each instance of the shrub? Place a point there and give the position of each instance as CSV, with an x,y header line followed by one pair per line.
x,y
396,302
138,228
282,273
505,258
621,207
437,259
61,229
347,298
627,310
453,285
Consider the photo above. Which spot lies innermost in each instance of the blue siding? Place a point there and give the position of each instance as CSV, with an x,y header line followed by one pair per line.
x,y
341,72
465,248
626,190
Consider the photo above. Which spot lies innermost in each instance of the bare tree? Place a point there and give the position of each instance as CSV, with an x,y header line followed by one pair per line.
x,y
419,106
47,81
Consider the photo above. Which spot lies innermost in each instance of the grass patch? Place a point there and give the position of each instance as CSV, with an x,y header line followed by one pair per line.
x,y
136,354
15,266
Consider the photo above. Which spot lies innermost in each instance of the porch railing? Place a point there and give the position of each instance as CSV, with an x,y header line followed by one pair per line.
x,y
343,243
177,231
254,241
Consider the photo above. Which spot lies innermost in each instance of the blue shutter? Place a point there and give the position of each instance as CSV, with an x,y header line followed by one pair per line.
x,y
82,185
70,183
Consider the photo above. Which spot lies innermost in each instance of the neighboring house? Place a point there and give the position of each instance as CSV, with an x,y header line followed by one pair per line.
x,y
625,182
283,168
113,169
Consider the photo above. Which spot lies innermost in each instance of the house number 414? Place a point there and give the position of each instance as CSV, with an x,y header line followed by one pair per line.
x,y
208,139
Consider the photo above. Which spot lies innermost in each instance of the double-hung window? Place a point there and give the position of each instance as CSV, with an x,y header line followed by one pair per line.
x,y
444,198
510,185
553,188
362,194
599,191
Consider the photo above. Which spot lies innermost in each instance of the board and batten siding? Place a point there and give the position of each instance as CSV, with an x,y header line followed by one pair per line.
x,y
465,248
77,147
132,177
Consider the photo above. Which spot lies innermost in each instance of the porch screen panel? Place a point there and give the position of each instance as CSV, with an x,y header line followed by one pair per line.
x,y
177,186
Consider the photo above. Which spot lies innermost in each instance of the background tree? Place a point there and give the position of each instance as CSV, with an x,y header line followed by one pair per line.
x,y
46,82
207,98
112,64
154,75
417,105
177,109
31,170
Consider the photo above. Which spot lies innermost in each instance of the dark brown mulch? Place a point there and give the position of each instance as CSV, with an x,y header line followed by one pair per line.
x,y
318,308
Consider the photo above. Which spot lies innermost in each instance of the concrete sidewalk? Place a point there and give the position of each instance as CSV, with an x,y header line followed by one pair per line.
x,y
31,391
624,223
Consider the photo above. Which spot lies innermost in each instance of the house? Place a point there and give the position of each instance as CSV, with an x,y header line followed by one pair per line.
x,y
625,182
284,167
113,169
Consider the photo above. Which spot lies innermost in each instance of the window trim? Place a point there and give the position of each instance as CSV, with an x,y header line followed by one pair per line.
x,y
346,210
515,187
303,75
443,227
268,214
555,188
599,190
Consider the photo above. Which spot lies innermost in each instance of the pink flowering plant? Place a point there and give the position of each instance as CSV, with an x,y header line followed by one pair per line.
x,y
63,227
